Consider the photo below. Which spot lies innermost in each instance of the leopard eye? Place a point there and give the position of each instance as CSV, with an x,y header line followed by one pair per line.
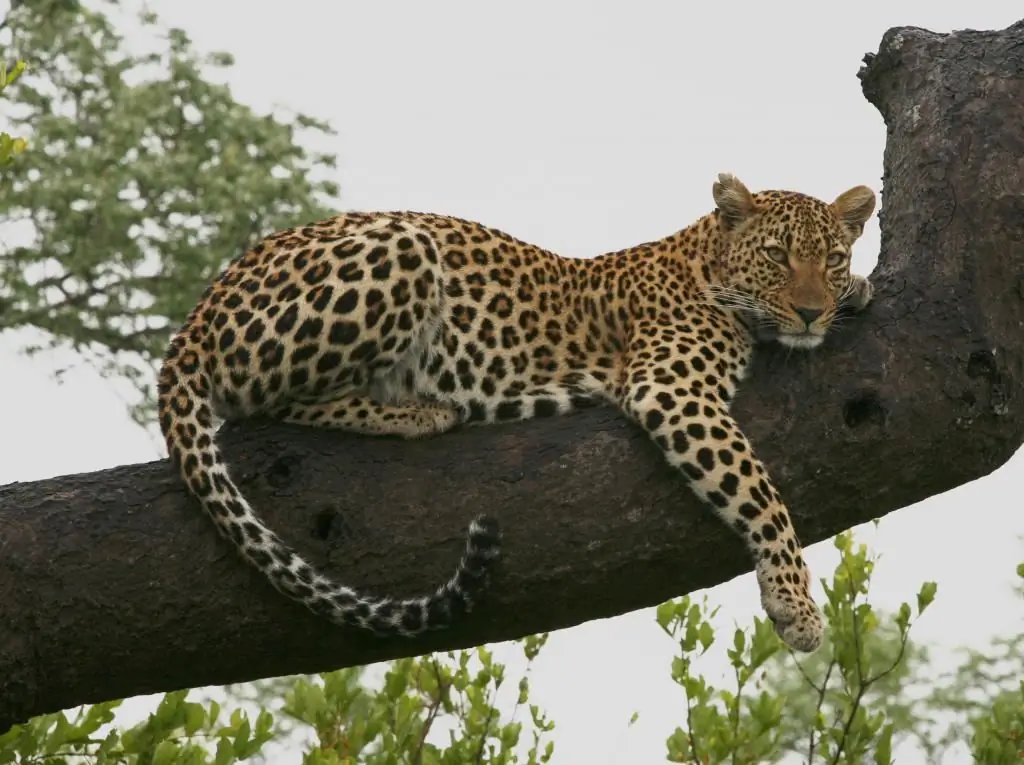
x,y
834,259
777,254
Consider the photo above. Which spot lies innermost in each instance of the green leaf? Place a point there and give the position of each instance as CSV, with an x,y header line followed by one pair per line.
x,y
665,614
225,753
240,740
706,636
903,617
764,643
739,640
97,716
165,753
926,596
9,77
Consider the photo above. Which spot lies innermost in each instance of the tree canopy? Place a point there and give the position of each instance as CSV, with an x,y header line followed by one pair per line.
x,y
147,176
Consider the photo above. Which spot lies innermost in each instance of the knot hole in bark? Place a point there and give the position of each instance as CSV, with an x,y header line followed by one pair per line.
x,y
323,522
864,408
281,471
982,364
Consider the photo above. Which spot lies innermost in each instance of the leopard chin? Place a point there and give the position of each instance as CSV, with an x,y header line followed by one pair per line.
x,y
802,341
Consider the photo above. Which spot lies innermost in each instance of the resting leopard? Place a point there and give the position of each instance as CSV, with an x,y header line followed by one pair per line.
x,y
409,324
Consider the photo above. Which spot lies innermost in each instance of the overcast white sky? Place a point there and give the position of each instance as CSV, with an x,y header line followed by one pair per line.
x,y
584,127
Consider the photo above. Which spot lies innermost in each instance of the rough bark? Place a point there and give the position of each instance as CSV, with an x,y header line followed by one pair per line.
x,y
114,584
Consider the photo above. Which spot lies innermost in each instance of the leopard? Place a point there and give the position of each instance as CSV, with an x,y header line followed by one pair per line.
x,y
410,324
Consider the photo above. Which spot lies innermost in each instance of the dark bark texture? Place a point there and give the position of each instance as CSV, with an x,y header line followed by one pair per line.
x,y
114,584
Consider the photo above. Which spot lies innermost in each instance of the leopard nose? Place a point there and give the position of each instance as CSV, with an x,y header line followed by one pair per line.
x,y
808,314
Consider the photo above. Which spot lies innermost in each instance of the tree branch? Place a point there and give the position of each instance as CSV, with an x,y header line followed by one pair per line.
x,y
113,583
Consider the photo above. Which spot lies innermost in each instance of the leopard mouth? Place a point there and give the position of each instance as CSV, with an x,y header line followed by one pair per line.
x,y
763,324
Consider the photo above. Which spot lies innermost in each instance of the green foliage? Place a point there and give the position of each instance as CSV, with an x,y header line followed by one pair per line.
x,y
864,663
998,736
434,710
856,700
147,177
178,732
721,725
868,689
9,145
963,704
980,702
826,708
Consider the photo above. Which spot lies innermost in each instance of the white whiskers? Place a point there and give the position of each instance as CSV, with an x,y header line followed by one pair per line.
x,y
730,297
847,292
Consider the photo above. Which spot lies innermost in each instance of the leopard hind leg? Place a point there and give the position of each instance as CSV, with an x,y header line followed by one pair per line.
x,y
363,415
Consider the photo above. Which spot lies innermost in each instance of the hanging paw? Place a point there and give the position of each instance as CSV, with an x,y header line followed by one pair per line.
x,y
795,615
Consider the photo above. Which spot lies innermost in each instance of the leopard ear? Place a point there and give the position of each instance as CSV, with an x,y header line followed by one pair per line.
x,y
734,200
853,208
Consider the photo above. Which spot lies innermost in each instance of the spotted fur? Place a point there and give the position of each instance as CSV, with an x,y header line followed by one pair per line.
x,y
409,324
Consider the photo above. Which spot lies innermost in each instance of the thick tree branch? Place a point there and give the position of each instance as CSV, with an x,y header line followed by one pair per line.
x,y
114,584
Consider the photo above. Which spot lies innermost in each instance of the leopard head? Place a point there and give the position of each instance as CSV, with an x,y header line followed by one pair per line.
x,y
784,258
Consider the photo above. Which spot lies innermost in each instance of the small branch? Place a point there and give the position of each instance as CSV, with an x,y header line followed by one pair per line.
x,y
486,730
432,713
817,707
689,731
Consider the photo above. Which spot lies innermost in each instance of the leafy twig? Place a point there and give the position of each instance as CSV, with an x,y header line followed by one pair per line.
x,y
435,707
821,700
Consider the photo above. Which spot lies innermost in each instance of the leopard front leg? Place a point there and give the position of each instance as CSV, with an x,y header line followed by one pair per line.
x,y
707,446
359,414
702,441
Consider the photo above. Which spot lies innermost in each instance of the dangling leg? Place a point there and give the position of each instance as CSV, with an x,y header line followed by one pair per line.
x,y
687,418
